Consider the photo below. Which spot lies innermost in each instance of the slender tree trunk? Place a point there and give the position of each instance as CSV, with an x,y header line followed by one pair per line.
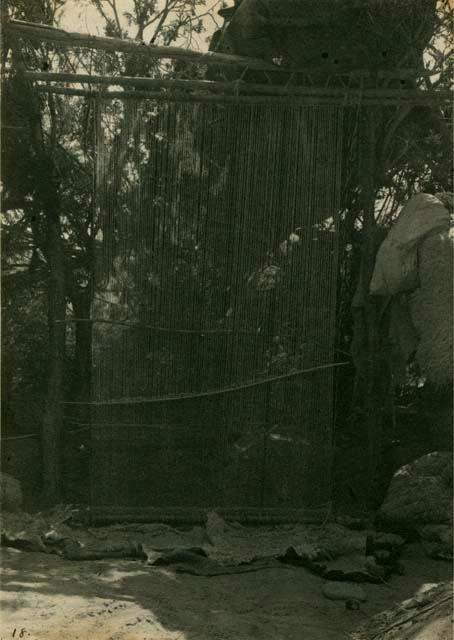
x,y
47,202
53,415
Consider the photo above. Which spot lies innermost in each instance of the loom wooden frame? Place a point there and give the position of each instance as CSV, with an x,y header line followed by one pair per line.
x,y
343,98
172,90
215,92
72,39
41,32
196,515
237,88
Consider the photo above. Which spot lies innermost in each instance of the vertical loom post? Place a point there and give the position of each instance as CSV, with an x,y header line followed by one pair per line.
x,y
92,285
372,404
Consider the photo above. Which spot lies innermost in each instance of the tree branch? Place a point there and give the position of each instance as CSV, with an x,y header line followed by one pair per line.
x,y
113,5
165,12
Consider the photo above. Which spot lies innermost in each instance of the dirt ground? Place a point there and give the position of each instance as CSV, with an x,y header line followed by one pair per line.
x,y
44,597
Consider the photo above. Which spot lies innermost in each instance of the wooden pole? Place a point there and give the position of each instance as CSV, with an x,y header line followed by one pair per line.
x,y
41,32
52,34
373,399
237,87
161,96
183,515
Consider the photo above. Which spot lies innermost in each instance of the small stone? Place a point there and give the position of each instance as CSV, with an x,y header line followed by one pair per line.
x,y
305,555
382,557
349,569
374,570
53,537
385,541
347,591
441,533
309,552
437,541
437,551
356,524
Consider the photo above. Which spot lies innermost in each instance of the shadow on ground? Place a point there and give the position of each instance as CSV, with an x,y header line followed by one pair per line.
x,y
44,596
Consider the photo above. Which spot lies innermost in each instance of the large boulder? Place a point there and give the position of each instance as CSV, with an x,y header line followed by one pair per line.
x,y
344,35
431,307
420,493
437,540
10,493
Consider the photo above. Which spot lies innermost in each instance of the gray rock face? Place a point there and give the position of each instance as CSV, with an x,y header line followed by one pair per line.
x,y
437,540
420,492
344,591
343,34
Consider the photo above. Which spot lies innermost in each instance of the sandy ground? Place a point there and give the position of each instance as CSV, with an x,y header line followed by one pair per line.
x,y
44,597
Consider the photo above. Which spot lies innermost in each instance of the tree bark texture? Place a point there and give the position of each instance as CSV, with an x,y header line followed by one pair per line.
x,y
52,421
48,206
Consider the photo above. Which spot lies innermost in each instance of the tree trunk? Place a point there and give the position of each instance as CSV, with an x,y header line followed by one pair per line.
x,y
53,415
47,201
